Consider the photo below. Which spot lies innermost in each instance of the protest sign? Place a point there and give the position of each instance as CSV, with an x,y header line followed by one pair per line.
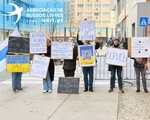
x,y
86,55
69,85
40,66
38,42
87,30
17,63
18,45
140,47
62,50
116,56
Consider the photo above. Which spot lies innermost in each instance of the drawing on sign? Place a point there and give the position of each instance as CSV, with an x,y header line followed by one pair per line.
x,y
17,63
18,45
116,56
68,85
143,22
140,47
38,42
86,55
40,66
62,50
87,30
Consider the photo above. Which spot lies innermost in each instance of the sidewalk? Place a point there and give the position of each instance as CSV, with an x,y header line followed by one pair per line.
x,y
32,104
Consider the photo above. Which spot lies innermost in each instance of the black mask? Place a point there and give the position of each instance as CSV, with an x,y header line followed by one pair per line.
x,y
116,46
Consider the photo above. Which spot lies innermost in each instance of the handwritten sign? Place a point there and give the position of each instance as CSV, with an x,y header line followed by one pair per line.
x,y
18,45
38,42
62,50
86,55
116,56
40,66
140,47
17,63
68,85
87,30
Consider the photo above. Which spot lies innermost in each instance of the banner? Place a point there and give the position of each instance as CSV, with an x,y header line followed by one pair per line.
x,y
116,56
40,66
38,42
17,63
62,50
140,47
87,30
86,55
4,49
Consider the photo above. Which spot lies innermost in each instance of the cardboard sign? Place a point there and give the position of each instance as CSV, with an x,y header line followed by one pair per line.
x,y
18,45
140,47
87,30
68,85
17,63
116,56
38,42
86,55
62,50
40,66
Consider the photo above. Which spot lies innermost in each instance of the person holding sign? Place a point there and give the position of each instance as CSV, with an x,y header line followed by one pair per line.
x,y
70,65
113,69
141,65
47,83
88,83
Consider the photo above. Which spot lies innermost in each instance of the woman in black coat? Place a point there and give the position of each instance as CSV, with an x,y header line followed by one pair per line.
x,y
50,69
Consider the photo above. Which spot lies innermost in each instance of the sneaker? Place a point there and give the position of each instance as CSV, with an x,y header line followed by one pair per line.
x,y
50,91
44,91
110,90
91,90
138,90
145,90
121,90
86,89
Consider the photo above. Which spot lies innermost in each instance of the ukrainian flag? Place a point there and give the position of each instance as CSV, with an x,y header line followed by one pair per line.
x,y
88,58
17,64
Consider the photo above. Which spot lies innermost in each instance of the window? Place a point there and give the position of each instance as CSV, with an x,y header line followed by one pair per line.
x,y
97,14
7,18
80,14
80,5
88,5
106,5
88,14
106,21
106,14
97,5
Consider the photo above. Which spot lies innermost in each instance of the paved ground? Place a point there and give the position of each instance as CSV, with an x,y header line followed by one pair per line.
x,y
32,104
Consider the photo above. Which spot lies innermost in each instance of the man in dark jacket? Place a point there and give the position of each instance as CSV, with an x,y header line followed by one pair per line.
x,y
70,65
113,69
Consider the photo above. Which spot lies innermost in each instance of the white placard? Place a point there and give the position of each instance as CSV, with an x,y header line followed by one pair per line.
x,y
38,43
116,56
40,66
140,47
87,30
62,50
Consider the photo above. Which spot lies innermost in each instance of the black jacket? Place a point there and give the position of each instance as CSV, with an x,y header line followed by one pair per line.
x,y
51,65
71,64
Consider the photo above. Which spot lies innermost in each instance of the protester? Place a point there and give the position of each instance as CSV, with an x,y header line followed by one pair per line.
x,y
88,83
101,44
70,65
110,42
125,44
113,69
141,65
47,83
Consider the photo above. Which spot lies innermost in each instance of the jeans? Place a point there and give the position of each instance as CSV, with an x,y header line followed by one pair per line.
x,y
142,71
47,83
113,74
69,73
16,80
88,71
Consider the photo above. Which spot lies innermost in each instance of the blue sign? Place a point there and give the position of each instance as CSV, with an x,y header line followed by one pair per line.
x,y
143,21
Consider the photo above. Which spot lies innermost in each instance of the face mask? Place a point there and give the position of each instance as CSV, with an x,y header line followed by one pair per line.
x,y
116,45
